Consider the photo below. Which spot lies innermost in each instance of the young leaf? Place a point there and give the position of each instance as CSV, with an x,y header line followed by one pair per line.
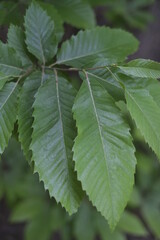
x,y
25,111
142,68
10,65
16,40
77,13
8,112
52,141
40,38
146,113
103,150
89,46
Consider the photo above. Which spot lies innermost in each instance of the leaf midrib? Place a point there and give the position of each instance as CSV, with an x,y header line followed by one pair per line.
x,y
10,66
2,106
96,76
88,55
62,131
101,138
155,132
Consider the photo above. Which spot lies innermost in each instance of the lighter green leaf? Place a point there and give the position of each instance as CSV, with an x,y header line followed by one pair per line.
x,y
103,151
16,40
146,113
89,46
8,112
131,224
40,38
52,141
25,111
77,13
142,68
10,64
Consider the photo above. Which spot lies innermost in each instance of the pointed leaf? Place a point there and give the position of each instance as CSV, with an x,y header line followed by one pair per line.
x,y
92,45
142,68
103,151
16,40
146,113
40,38
77,13
10,65
52,141
8,112
25,111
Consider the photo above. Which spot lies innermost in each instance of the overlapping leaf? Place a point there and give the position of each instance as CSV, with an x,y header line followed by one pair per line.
x,y
52,141
142,68
103,150
92,45
10,64
146,113
77,13
25,111
40,38
16,40
8,112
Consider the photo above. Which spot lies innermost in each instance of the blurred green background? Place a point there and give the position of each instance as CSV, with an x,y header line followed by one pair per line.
x,y
26,210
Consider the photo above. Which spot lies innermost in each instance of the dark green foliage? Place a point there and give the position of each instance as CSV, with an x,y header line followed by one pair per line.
x,y
98,156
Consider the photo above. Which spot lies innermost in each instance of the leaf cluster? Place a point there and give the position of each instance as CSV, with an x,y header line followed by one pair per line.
x,y
78,142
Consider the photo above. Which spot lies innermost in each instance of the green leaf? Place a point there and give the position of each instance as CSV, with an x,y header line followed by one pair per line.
x,y
84,228
10,64
108,82
142,68
89,46
8,112
131,224
10,13
103,151
53,13
146,113
151,214
16,40
3,80
77,13
105,232
25,111
52,141
40,38
26,210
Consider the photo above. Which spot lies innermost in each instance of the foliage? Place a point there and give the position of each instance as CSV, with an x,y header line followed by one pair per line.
x,y
80,13
80,143
29,203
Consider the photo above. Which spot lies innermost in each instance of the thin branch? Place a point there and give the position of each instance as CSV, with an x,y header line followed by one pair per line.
x,y
78,69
